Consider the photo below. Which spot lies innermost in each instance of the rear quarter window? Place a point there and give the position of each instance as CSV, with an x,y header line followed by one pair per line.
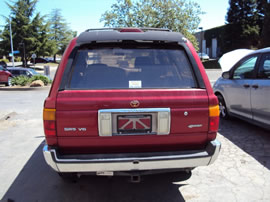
x,y
131,68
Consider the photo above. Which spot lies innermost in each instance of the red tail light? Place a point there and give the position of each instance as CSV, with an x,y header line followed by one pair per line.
x,y
49,122
213,122
49,128
131,30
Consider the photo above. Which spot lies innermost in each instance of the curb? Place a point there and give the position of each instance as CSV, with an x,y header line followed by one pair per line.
x,y
24,88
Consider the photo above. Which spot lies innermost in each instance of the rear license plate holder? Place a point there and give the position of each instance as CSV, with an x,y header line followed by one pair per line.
x,y
134,124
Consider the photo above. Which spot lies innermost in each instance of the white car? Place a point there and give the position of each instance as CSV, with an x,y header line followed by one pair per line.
x,y
203,56
229,59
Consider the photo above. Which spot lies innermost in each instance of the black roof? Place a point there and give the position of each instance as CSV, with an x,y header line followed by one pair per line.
x,y
115,34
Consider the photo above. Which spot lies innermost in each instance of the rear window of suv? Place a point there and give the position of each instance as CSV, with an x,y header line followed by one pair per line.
x,y
129,67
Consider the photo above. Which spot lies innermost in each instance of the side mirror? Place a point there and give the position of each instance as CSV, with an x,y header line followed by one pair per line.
x,y
226,75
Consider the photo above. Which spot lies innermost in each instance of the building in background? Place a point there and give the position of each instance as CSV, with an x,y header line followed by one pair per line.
x,y
212,41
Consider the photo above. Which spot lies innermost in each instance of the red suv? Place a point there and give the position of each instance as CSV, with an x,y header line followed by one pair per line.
x,y
130,101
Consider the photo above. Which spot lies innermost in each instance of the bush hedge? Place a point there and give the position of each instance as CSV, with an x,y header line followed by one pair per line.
x,y
45,79
4,60
17,59
24,80
20,81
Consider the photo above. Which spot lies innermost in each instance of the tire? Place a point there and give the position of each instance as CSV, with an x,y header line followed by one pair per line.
x,y
9,82
223,112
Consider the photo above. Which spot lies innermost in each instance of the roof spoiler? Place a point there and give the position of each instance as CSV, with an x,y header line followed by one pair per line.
x,y
144,29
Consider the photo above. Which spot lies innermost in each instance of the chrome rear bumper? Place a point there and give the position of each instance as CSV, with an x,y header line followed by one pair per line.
x,y
131,161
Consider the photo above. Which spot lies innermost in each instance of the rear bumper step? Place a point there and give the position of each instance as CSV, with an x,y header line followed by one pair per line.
x,y
131,161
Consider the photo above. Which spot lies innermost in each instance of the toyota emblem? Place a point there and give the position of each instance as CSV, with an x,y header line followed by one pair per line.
x,y
134,103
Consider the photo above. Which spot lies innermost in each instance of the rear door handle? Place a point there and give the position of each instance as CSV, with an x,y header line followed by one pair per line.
x,y
255,86
246,85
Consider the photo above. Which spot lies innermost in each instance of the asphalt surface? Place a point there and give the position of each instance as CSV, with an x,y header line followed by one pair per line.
x,y
241,172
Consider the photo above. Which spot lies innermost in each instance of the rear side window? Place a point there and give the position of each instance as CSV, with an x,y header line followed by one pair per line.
x,y
246,69
15,72
264,69
23,72
129,68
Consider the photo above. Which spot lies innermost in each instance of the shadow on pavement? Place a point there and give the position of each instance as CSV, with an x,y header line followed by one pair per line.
x,y
252,139
37,182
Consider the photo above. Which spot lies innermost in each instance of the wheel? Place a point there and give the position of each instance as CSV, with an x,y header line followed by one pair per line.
x,y
223,112
9,82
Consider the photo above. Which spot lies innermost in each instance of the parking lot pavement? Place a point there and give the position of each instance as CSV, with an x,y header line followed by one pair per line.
x,y
213,75
20,131
241,172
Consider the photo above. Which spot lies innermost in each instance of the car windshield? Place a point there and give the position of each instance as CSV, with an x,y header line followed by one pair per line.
x,y
126,68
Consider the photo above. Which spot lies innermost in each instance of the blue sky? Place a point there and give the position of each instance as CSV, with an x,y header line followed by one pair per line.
x,y
84,14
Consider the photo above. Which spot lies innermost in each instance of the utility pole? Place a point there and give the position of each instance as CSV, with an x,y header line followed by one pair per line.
x,y
201,28
11,42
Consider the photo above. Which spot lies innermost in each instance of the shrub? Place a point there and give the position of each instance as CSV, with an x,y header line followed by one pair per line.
x,y
20,80
45,79
18,59
24,80
4,60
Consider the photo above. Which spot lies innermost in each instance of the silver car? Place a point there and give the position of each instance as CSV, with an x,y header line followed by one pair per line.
x,y
244,91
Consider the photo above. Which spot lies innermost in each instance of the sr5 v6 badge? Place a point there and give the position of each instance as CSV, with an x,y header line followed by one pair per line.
x,y
74,129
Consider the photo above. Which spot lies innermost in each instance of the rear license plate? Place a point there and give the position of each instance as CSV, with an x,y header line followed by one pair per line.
x,y
104,173
134,124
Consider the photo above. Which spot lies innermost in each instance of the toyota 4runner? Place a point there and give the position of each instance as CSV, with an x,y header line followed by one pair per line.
x,y
130,100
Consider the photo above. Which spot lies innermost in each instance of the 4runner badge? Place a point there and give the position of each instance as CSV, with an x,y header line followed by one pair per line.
x,y
134,103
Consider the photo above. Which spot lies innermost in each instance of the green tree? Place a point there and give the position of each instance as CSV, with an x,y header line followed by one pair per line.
x,y
24,23
264,9
39,32
5,41
177,15
60,34
2,50
244,24
31,31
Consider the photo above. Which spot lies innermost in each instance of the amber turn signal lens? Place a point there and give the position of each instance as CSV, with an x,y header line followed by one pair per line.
x,y
49,114
213,121
214,111
49,122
